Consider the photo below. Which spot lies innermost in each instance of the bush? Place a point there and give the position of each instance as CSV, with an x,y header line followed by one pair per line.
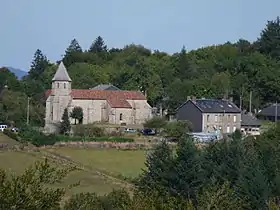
x,y
36,137
118,139
11,134
88,131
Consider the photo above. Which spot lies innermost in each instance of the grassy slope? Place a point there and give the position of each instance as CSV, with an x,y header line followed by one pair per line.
x,y
111,161
7,140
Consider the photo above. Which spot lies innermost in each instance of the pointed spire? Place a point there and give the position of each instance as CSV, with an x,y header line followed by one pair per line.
x,y
61,74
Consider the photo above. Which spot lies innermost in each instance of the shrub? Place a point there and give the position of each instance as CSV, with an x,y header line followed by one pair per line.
x,y
36,137
11,134
118,139
88,131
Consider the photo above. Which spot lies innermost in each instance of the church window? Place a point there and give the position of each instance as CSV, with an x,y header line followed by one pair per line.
x,y
57,85
64,85
121,116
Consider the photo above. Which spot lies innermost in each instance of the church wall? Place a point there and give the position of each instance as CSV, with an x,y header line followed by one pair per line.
x,y
92,109
120,115
142,110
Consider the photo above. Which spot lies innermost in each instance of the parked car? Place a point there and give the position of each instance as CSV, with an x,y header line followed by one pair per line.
x,y
130,130
14,130
148,132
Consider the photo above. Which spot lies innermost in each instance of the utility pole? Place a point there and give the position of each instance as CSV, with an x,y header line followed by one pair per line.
x,y
276,112
250,102
27,114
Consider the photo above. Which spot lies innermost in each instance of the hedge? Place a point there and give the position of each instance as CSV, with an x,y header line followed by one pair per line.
x,y
94,139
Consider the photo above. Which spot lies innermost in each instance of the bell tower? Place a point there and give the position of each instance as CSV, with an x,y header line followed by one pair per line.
x,y
61,92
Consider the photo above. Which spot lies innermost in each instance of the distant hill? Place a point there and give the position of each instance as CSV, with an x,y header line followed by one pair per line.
x,y
19,73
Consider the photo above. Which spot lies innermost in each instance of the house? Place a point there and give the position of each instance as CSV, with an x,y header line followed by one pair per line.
x,y
210,115
99,105
105,87
270,113
250,125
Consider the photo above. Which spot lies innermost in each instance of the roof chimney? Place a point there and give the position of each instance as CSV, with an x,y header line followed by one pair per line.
x,y
188,98
193,98
230,99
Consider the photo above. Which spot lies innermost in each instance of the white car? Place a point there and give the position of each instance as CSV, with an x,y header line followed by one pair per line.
x,y
3,127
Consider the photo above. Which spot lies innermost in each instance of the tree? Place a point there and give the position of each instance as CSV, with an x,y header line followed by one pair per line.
x,y
77,114
269,42
177,129
155,123
98,45
31,188
73,54
65,126
158,174
38,65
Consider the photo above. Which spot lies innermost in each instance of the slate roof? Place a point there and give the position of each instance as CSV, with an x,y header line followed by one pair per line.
x,y
116,98
105,87
249,120
61,74
270,111
214,106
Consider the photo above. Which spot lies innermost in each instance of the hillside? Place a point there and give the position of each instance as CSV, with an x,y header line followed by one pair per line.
x,y
18,72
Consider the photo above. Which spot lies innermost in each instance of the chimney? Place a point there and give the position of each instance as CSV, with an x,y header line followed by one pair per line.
x,y
230,99
188,98
193,99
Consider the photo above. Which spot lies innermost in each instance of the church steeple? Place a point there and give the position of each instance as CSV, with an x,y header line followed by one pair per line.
x,y
61,74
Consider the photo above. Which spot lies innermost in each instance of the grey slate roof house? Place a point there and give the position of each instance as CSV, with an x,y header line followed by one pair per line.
x,y
105,87
269,113
210,115
250,125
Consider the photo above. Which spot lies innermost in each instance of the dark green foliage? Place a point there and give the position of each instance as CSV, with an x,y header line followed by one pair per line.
x,y
64,138
155,123
84,201
177,129
98,46
38,66
65,126
29,191
73,53
88,131
158,174
11,134
35,137
77,114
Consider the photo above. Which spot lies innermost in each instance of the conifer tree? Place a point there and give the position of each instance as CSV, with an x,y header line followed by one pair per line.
x,y
65,123
157,175
73,53
38,65
98,45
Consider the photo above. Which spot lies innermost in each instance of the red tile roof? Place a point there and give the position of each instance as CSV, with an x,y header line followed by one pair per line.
x,y
116,98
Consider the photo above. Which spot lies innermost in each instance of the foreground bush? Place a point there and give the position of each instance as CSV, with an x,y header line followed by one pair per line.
x,y
36,137
94,139
88,131
11,134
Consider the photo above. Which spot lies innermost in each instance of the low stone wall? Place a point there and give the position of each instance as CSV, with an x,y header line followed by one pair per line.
x,y
103,145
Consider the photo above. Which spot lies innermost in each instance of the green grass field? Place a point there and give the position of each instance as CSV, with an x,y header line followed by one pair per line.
x,y
113,161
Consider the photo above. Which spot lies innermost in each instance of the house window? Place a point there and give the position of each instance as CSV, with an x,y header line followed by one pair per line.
x,y
228,117
121,116
216,118
228,129
57,85
234,129
234,118
208,116
64,85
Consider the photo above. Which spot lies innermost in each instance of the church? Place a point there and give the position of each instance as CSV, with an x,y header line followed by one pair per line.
x,y
108,105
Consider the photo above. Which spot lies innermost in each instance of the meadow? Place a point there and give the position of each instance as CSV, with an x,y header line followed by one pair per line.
x,y
99,170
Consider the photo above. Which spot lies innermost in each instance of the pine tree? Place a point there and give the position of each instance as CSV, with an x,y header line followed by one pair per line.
x,y
157,176
98,45
188,174
73,53
38,65
74,47
65,124
269,41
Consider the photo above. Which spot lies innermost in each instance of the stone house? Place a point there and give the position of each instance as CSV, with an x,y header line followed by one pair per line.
x,y
99,105
210,115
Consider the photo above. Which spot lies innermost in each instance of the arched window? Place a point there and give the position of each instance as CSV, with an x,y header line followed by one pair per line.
x,y
64,85
121,117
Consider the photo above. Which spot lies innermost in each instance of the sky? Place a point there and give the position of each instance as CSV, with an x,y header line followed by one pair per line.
x,y
163,25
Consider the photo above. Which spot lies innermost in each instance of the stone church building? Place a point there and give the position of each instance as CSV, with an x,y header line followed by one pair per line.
x,y
109,105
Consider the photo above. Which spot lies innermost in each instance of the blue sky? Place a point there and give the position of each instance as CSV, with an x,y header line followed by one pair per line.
x,y
165,25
